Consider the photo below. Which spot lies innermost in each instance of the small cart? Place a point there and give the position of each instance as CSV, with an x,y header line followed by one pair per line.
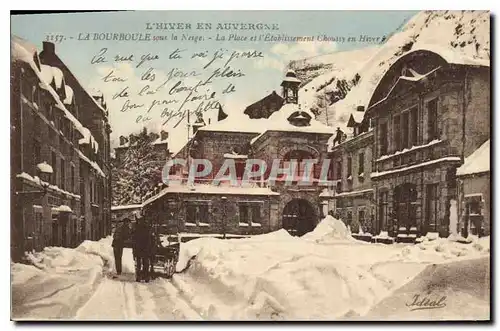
x,y
165,260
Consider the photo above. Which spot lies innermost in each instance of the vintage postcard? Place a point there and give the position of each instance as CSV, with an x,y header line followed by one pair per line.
x,y
251,165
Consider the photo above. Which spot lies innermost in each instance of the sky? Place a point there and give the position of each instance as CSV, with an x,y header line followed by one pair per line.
x,y
246,70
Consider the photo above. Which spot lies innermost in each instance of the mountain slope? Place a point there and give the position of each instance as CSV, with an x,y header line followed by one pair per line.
x,y
464,32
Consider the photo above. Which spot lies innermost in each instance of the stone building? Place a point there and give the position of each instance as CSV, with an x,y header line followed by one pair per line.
x,y
351,166
60,154
430,110
474,196
289,133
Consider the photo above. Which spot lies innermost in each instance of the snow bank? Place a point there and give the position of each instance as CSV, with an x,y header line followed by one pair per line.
x,y
59,280
329,229
445,249
323,275
277,276
460,291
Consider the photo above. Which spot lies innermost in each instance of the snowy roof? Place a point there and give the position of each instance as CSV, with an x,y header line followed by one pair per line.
x,y
291,79
211,189
477,162
24,51
451,55
415,78
232,123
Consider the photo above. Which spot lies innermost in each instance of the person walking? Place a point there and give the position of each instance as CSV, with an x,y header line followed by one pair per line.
x,y
142,249
120,236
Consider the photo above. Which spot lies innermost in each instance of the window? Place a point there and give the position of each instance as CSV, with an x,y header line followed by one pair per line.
x,y
474,215
339,187
91,191
432,120
82,193
349,218
36,152
432,207
383,210
349,166
414,126
39,235
338,172
397,133
405,130
73,178
361,163
196,212
250,213
383,138
361,217
54,168
63,174
300,157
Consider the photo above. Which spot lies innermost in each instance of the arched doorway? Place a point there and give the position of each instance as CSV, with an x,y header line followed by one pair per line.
x,y
299,217
405,197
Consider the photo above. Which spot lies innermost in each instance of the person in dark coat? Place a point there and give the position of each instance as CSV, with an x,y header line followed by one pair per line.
x,y
120,237
142,247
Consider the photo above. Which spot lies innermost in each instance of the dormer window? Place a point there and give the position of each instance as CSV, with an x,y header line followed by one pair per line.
x,y
300,118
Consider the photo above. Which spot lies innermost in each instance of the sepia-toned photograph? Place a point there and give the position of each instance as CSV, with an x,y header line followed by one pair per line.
x,y
250,166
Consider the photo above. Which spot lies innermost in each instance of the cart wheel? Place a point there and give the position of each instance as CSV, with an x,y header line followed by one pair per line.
x,y
169,268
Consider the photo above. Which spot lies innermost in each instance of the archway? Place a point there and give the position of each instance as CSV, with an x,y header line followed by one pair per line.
x,y
299,217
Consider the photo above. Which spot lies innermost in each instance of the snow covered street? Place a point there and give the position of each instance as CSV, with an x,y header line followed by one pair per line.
x,y
323,275
78,284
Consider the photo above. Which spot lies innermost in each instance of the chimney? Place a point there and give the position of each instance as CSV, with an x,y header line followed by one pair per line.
x,y
361,108
49,47
163,135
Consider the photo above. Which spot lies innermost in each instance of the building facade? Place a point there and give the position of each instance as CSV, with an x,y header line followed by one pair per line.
x,y
351,167
259,205
60,154
393,177
430,111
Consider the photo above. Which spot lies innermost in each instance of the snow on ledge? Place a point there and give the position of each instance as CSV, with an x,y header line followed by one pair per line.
x,y
91,163
352,193
416,166
124,207
407,150
243,224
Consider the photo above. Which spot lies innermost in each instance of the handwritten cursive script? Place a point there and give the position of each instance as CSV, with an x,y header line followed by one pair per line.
x,y
426,302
